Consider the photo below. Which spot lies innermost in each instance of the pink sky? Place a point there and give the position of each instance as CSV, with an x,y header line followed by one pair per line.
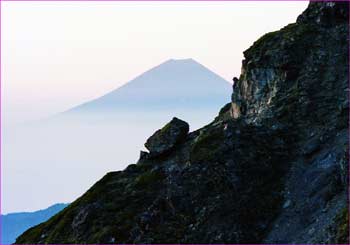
x,y
58,55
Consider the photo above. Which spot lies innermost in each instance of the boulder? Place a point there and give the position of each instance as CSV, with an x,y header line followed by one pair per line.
x,y
165,139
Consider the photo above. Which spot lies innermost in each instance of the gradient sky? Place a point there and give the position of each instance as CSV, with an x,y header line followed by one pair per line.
x,y
56,55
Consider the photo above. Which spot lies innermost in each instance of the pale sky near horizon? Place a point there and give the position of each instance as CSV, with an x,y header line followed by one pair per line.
x,y
56,55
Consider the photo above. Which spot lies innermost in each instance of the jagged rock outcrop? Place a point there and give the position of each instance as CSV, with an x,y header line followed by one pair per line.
x,y
298,78
272,167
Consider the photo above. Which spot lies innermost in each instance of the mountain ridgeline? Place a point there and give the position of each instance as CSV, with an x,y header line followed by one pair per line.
x,y
182,84
106,133
14,224
271,168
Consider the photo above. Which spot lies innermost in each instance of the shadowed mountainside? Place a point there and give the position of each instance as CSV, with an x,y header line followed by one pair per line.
x,y
271,168
109,131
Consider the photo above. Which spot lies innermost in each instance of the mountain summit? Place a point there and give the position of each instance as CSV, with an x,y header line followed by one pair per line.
x,y
182,83
111,129
272,168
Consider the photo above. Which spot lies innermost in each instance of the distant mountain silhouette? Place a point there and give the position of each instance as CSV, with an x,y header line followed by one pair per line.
x,y
108,133
184,84
14,224
271,168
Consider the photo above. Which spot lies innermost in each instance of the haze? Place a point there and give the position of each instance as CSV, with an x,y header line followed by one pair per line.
x,y
56,55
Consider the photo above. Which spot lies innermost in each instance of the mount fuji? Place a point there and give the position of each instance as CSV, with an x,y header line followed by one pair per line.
x,y
181,85
106,134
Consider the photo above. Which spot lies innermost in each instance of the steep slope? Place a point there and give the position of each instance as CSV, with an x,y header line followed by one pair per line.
x,y
272,167
14,224
105,134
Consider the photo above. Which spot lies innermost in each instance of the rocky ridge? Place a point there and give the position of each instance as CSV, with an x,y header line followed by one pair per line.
x,y
271,168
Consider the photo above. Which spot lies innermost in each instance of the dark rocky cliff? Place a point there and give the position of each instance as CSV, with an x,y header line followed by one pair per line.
x,y
271,168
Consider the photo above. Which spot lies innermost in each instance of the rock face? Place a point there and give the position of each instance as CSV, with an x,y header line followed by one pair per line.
x,y
165,139
271,168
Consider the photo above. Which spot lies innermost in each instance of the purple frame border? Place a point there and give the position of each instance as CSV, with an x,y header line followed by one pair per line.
x,y
1,72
